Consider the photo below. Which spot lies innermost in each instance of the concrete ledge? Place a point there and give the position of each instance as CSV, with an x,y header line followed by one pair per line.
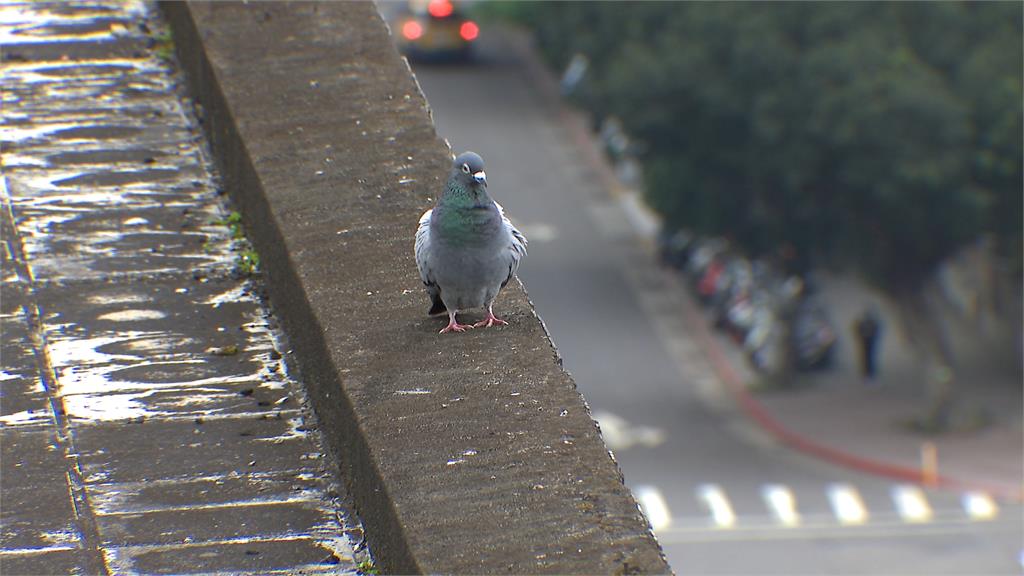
x,y
465,453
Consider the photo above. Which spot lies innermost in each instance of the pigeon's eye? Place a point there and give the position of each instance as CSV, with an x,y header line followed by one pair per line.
x,y
465,168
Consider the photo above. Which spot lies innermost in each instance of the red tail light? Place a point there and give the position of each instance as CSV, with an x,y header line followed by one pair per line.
x,y
440,8
412,30
469,31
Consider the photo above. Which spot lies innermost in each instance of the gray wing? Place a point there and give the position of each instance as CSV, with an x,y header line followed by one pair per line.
x,y
516,248
422,250
423,247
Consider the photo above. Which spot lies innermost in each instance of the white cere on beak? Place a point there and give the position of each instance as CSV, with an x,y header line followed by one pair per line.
x,y
480,177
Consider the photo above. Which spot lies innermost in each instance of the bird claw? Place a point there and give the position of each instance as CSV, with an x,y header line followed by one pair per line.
x,y
491,320
456,327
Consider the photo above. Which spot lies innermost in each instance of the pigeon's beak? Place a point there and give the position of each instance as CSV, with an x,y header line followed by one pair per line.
x,y
480,177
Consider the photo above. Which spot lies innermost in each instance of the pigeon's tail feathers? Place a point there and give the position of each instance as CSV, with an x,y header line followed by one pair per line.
x,y
437,306
511,272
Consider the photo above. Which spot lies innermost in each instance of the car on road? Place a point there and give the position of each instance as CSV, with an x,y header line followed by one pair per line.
x,y
435,30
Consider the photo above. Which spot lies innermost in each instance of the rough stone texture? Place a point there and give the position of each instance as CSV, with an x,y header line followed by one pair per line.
x,y
466,453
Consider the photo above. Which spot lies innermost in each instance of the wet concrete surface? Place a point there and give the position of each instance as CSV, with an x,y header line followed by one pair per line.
x,y
147,418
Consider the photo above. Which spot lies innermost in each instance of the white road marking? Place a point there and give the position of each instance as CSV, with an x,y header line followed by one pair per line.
x,y
980,506
782,503
718,504
648,436
538,232
911,503
619,434
847,504
654,507
854,520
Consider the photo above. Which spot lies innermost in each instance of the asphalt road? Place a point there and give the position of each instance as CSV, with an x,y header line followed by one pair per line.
x,y
713,486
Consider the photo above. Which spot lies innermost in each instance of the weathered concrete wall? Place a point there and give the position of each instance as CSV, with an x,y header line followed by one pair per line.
x,y
465,453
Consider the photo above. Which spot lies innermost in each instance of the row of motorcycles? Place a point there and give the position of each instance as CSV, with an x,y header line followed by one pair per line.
x,y
775,318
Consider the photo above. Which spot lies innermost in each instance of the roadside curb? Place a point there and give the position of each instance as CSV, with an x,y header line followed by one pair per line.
x,y
722,366
472,453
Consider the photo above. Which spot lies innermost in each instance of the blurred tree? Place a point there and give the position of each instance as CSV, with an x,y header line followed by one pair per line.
x,y
883,136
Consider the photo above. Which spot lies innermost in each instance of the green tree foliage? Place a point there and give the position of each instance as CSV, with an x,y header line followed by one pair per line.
x,y
880,135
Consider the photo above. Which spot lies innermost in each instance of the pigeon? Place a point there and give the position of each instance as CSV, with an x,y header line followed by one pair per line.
x,y
466,249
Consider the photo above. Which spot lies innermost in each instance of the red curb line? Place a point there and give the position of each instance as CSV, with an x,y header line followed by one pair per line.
x,y
757,412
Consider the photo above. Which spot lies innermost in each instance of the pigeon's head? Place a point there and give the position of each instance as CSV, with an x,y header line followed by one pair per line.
x,y
468,169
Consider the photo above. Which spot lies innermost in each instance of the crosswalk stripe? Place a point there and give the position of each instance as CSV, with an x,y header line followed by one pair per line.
x,y
847,504
980,506
847,508
911,503
781,501
715,499
654,507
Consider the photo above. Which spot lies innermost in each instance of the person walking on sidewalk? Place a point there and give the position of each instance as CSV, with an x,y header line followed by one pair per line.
x,y
868,328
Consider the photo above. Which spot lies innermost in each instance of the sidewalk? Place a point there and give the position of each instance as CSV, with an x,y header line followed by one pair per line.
x,y
832,415
837,417
147,423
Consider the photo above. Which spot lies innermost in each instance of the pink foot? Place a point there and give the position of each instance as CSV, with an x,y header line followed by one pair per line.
x,y
490,320
454,326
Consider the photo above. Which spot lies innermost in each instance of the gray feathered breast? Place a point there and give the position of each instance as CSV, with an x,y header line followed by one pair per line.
x,y
433,266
